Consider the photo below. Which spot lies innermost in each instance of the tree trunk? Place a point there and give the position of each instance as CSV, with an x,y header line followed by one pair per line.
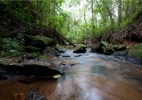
x,y
109,12
103,18
119,12
92,10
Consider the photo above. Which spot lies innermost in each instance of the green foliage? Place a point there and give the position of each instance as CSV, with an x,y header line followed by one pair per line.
x,y
136,51
9,47
33,55
80,46
49,13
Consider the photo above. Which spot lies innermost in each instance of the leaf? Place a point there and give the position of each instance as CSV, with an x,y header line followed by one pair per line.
x,y
56,76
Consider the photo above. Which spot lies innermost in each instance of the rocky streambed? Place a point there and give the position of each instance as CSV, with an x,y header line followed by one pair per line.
x,y
84,76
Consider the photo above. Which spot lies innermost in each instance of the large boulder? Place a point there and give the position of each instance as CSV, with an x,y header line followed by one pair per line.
x,y
60,49
50,51
136,51
32,49
81,48
103,47
106,48
37,41
40,69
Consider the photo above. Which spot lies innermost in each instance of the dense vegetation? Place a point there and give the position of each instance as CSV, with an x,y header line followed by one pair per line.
x,y
104,15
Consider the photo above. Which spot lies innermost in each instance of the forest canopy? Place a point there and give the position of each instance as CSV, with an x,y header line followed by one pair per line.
x,y
78,20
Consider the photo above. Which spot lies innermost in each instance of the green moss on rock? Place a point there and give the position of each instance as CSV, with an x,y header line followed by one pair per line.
x,y
32,49
60,49
106,48
38,41
81,48
136,51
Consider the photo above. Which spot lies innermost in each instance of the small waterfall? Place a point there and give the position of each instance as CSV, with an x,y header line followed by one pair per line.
x,y
88,50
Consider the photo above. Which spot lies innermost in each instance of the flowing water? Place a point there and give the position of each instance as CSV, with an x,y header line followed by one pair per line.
x,y
92,77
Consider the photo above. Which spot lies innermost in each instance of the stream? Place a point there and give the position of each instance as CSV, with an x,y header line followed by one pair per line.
x,y
91,77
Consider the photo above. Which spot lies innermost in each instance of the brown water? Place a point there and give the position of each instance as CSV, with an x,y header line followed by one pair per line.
x,y
94,77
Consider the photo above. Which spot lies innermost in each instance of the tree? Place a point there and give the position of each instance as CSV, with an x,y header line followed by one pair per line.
x,y
119,12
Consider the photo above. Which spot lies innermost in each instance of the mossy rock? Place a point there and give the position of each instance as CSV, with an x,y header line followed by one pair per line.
x,y
102,47
32,49
49,51
119,47
60,49
81,48
136,51
106,48
37,41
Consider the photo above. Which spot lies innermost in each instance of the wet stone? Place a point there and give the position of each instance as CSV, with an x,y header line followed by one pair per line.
x,y
35,96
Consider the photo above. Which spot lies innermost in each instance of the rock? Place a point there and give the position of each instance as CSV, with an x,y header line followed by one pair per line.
x,y
65,55
60,49
29,68
35,96
119,47
57,54
32,49
120,53
106,48
102,47
136,51
77,56
37,41
135,54
134,60
81,48
49,51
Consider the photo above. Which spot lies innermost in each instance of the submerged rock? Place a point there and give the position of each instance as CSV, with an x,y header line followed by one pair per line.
x,y
81,48
35,96
120,53
65,55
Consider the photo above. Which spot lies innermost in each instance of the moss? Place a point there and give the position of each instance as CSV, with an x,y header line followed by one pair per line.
x,y
33,55
79,46
37,41
119,47
32,49
60,48
46,40
105,43
136,51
